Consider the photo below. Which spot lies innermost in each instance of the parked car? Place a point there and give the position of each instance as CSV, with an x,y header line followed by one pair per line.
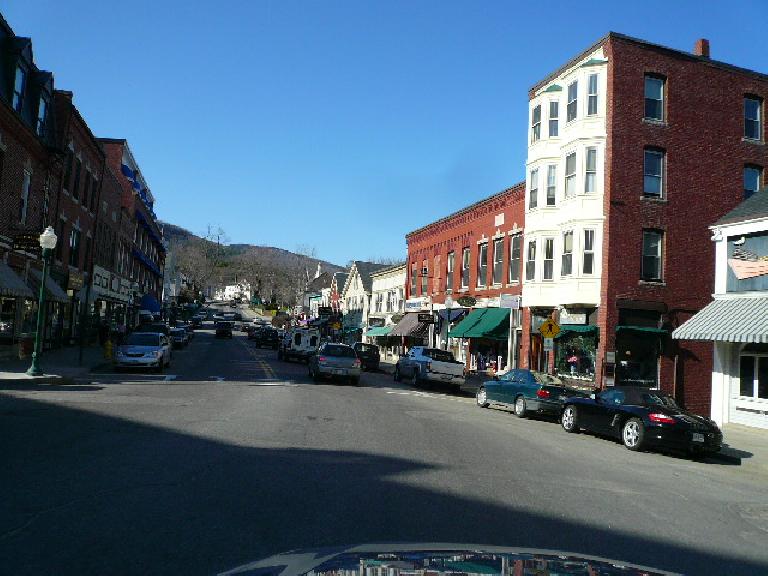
x,y
144,350
335,361
223,329
298,343
188,326
265,336
526,392
424,364
368,354
179,337
155,327
642,418
237,316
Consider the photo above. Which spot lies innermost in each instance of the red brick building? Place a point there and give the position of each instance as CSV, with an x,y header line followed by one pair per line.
x,y
466,261
634,150
146,258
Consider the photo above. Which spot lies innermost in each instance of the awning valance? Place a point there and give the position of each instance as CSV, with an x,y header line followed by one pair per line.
x,y
410,326
734,320
53,292
646,329
566,329
483,323
11,285
379,331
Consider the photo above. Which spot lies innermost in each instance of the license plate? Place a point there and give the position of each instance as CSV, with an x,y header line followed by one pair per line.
x,y
338,372
698,437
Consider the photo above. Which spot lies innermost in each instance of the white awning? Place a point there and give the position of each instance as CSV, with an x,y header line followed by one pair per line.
x,y
733,320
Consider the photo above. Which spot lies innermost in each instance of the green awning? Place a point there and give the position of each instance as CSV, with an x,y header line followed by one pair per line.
x,y
483,323
576,328
379,331
648,329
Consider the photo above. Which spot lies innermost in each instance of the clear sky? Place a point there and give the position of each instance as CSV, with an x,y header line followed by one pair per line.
x,y
338,124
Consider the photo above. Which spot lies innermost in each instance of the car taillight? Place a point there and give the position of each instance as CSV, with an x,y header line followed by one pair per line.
x,y
321,359
357,362
661,418
543,393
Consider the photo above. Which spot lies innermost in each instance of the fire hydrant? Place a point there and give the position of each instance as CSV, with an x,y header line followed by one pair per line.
x,y
108,350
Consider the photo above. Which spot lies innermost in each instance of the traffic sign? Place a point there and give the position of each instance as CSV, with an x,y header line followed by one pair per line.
x,y
549,328
549,344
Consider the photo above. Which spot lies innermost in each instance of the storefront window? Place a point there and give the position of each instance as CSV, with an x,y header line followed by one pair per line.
x,y
576,355
7,318
753,377
28,316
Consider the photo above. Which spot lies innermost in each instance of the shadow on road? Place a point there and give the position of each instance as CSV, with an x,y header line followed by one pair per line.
x,y
50,387
86,493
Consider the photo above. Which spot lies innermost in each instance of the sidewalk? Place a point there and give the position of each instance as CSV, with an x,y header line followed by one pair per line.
x,y
748,446
60,366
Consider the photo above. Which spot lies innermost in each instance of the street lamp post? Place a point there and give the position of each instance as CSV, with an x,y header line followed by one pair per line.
x,y
47,243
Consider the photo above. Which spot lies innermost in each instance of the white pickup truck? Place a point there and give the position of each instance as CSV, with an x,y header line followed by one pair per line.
x,y
423,364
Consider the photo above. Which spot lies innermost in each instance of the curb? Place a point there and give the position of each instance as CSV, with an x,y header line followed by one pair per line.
x,y
44,380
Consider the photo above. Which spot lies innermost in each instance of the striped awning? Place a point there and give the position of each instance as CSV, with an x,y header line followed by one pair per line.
x,y
11,284
53,292
733,320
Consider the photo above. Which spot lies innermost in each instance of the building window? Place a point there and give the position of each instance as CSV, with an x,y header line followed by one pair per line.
x,y
753,377
449,272
653,172
424,277
549,258
414,278
566,263
536,124
60,243
652,254
592,95
530,261
498,260
570,175
87,254
570,113
554,115
86,188
94,194
753,175
482,264
465,268
42,116
533,198
436,270
551,184
590,170
19,87
588,266
514,257
24,201
654,98
68,172
76,185
752,121
74,248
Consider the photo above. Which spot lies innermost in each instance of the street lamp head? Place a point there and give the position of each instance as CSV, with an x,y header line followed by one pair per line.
x,y
48,239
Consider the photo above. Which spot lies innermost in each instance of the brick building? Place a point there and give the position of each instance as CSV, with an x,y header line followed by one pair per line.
x,y
634,150
75,208
146,253
30,170
462,264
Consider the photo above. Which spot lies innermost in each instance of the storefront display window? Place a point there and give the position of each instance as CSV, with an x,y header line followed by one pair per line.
x,y
7,318
753,377
28,316
576,355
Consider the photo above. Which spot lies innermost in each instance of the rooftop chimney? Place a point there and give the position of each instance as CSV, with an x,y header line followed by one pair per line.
x,y
701,48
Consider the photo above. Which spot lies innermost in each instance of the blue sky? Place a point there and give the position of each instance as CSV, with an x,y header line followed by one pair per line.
x,y
340,124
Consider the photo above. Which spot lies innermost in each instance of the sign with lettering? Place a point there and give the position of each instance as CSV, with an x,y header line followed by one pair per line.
x,y
75,281
27,242
467,301
510,301
426,318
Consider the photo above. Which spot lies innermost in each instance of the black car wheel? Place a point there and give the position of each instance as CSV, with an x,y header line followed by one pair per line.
x,y
482,397
521,411
633,434
570,419
397,376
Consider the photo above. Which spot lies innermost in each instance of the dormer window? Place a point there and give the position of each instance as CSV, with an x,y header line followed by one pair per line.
x,y
42,116
19,86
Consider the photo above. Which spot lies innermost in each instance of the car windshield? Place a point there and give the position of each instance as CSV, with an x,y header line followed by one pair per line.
x,y
339,351
438,355
143,339
547,379
658,399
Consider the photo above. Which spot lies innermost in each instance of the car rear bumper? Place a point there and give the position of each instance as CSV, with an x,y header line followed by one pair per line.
x,y
544,406
444,378
128,362
338,371
683,439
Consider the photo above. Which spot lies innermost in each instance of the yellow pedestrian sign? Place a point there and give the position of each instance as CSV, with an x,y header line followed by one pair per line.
x,y
549,329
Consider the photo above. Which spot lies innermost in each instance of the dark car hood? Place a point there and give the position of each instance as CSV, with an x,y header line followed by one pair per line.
x,y
437,559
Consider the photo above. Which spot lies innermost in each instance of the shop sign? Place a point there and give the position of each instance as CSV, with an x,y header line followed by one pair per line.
x,y
415,304
467,301
549,344
324,310
376,322
426,318
75,281
572,317
512,301
27,242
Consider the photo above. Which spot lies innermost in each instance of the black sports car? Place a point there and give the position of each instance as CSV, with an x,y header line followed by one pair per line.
x,y
642,418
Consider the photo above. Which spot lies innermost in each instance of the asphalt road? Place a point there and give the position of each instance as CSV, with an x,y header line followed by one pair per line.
x,y
232,456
